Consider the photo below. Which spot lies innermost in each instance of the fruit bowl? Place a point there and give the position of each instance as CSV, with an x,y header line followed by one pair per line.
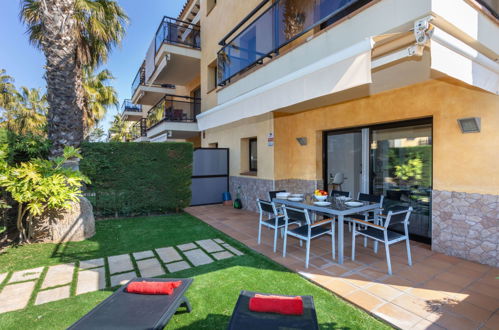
x,y
320,197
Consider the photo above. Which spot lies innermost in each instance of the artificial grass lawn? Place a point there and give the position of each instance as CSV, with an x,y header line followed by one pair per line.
x,y
213,293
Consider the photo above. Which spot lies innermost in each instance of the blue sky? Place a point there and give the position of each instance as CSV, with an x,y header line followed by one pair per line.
x,y
25,63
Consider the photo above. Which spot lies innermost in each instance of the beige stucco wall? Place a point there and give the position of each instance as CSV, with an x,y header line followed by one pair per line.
x,y
462,162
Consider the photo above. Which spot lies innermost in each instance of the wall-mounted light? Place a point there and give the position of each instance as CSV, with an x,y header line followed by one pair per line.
x,y
302,141
469,125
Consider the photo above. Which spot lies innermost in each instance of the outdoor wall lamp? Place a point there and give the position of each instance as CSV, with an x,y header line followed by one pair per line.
x,y
469,125
302,141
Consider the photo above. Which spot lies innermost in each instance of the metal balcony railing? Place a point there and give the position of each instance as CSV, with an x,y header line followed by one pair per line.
x,y
139,129
173,108
281,23
127,105
139,79
174,31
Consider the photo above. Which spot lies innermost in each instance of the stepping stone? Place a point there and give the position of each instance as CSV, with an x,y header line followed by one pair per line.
x,y
58,275
91,280
209,245
222,255
219,241
143,255
94,263
168,254
150,268
2,277
177,266
232,249
24,275
52,295
198,257
188,246
121,263
16,296
122,279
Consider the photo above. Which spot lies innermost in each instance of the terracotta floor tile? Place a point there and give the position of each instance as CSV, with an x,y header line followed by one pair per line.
x,y
357,280
429,294
336,270
339,287
397,315
427,325
417,305
475,266
384,291
493,322
484,301
469,311
320,262
456,322
488,290
364,300
372,273
445,286
398,282
455,278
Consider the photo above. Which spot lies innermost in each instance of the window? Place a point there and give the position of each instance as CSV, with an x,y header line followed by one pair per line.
x,y
212,76
210,5
253,155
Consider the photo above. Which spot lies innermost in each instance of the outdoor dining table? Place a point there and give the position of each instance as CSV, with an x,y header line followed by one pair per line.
x,y
338,209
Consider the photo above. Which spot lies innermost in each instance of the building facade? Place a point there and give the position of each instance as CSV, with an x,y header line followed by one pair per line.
x,y
399,97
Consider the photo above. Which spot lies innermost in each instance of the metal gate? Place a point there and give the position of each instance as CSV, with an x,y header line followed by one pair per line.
x,y
210,175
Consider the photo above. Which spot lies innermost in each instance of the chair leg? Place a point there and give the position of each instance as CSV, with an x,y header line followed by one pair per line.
x,y
185,302
365,242
409,258
259,231
333,234
376,247
308,253
275,238
388,261
284,242
353,243
301,243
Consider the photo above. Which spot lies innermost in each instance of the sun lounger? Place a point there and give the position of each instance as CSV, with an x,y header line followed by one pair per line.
x,y
242,318
123,310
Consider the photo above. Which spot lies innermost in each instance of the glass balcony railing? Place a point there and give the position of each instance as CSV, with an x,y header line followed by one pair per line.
x,y
175,31
139,79
174,108
281,23
127,105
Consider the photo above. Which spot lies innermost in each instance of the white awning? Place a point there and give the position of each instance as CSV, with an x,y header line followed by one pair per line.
x,y
348,68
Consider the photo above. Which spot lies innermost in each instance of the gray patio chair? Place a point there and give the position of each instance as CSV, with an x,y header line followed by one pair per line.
x,y
368,216
308,230
272,194
382,233
275,220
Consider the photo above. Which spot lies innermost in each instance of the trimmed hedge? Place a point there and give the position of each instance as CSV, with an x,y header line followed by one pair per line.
x,y
131,179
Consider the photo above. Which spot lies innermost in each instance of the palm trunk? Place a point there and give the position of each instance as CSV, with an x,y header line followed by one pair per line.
x,y
63,75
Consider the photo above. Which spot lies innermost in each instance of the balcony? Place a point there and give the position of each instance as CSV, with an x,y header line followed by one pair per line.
x,y
138,132
280,24
174,117
131,111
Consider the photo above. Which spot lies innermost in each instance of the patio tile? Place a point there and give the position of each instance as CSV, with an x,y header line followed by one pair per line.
x,y
93,263
493,321
339,287
58,275
469,311
364,300
456,322
188,246
122,279
335,270
209,245
398,282
484,301
2,277
91,280
222,255
168,254
455,279
219,241
198,257
232,249
449,288
384,291
24,275
177,266
426,325
47,296
373,273
429,294
150,268
120,263
143,255
357,280
16,296
487,290
398,316
320,262
417,305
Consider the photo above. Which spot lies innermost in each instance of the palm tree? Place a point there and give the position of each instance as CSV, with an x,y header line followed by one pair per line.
x,y
7,90
98,96
28,116
119,130
72,34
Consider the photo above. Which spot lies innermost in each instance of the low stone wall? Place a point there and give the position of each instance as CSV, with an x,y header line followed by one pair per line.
x,y
466,225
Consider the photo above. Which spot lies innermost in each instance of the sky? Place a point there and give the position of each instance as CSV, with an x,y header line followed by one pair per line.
x,y
25,63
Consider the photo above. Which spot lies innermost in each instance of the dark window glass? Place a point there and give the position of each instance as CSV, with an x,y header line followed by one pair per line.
x,y
253,155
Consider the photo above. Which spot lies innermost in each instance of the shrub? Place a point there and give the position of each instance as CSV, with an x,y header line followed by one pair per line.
x,y
137,178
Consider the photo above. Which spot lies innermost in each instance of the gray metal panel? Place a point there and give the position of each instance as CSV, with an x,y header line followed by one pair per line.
x,y
210,162
208,190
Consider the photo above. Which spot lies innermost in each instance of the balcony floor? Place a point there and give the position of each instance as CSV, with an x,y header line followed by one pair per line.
x,y
437,292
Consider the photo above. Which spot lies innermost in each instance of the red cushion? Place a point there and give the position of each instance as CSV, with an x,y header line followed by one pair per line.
x,y
152,287
276,304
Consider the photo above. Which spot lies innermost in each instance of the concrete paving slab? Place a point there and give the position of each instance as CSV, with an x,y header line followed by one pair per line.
x,y
24,275
16,296
91,280
58,275
120,263
188,246
232,249
219,241
143,255
209,245
150,268
168,254
2,277
198,257
222,255
122,279
177,266
93,263
47,296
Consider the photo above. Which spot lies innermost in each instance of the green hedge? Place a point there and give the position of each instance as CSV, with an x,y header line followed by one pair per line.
x,y
131,179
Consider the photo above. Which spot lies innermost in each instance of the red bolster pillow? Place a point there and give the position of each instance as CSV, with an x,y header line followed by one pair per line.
x,y
276,304
152,287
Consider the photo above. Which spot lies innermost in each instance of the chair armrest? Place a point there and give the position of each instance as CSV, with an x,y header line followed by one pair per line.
x,y
368,224
322,222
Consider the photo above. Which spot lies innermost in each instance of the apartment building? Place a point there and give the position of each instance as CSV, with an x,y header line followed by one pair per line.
x,y
398,96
